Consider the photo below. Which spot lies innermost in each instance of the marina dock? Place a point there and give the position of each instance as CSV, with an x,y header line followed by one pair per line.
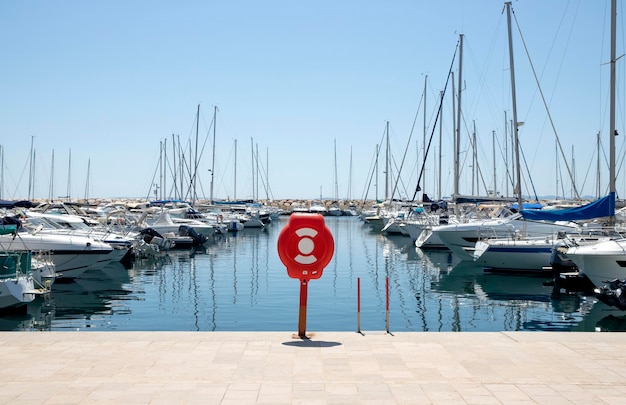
x,y
329,368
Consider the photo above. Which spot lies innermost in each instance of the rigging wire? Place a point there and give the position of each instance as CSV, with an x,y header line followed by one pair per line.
x,y
432,133
546,107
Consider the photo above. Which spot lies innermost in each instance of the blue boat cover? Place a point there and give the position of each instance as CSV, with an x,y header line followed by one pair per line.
x,y
527,206
603,207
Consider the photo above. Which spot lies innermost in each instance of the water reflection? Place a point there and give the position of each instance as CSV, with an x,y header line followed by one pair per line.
x,y
238,283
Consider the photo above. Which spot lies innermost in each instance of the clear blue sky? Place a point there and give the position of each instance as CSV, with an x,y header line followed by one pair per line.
x,y
110,80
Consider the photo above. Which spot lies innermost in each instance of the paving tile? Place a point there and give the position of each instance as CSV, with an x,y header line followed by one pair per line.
x,y
331,368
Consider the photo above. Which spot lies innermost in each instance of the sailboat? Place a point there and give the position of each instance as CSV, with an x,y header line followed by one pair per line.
x,y
605,261
334,209
461,238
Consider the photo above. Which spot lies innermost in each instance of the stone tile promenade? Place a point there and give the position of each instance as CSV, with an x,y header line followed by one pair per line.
x,y
329,368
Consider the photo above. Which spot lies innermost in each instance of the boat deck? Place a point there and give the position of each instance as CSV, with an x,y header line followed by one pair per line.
x,y
330,367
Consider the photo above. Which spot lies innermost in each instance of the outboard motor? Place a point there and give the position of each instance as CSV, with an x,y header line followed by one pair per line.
x,y
613,293
198,239
558,258
148,234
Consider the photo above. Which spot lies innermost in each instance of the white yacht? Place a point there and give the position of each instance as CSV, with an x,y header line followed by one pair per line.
x,y
71,254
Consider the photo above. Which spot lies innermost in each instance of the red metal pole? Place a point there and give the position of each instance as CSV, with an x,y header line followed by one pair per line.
x,y
387,304
358,305
304,286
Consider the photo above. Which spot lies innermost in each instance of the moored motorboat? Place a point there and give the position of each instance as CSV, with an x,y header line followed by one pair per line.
x,y
71,254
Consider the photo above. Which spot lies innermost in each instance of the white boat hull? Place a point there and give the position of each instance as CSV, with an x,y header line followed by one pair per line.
x,y
602,261
71,255
520,255
461,238
15,292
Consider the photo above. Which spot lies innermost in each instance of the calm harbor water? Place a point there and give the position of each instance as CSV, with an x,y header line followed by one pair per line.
x,y
238,283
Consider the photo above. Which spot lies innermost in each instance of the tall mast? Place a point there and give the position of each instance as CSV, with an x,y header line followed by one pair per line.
x,y
267,173
612,131
518,183
164,191
87,181
51,188
598,193
31,173
235,174
33,165
474,161
336,183
424,136
195,160
387,165
493,147
213,159
181,163
457,135
256,164
506,155
439,163
69,177
252,165
175,167
161,170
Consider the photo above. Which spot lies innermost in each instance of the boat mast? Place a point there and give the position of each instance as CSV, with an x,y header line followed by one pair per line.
x,y
51,188
336,184
252,166
516,124
235,174
457,135
506,155
474,160
612,131
31,166
69,178
387,164
174,180
493,147
87,181
440,138
161,169
181,163
213,159
195,160
424,135
164,192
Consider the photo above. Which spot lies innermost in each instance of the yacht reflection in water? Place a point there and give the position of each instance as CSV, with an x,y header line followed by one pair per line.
x,y
528,302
